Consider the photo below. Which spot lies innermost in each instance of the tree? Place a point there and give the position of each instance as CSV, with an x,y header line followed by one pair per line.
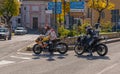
x,y
9,9
1,2
100,6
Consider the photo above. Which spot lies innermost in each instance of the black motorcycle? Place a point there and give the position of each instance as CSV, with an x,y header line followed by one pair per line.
x,y
52,46
97,46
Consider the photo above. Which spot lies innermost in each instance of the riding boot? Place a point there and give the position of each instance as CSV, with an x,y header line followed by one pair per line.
x,y
90,53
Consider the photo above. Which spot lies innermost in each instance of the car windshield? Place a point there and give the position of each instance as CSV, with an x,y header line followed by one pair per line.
x,y
20,28
2,30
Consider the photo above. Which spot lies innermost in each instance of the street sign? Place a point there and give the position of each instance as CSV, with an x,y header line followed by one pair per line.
x,y
56,9
77,6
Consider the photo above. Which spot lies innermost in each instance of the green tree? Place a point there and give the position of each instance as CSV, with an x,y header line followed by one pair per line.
x,y
100,6
9,9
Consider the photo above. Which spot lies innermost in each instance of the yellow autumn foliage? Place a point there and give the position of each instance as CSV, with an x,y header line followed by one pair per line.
x,y
100,4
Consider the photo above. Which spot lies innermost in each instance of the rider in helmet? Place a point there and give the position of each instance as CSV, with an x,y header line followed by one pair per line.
x,y
91,36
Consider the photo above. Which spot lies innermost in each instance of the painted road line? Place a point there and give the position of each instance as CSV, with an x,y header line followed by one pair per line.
x,y
25,58
30,44
4,62
108,68
25,53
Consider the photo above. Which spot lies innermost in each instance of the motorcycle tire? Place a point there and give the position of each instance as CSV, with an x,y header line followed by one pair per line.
x,y
79,50
102,49
62,48
37,49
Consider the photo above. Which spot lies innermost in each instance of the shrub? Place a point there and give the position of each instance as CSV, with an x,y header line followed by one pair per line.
x,y
72,33
63,32
106,26
81,28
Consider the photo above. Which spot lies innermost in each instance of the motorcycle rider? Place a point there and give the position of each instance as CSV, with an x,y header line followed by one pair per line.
x,y
49,35
91,36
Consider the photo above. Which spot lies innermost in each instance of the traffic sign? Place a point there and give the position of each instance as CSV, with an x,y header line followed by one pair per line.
x,y
55,7
77,6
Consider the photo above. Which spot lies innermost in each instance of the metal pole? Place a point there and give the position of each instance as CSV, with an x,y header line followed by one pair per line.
x,y
56,26
116,20
64,13
91,17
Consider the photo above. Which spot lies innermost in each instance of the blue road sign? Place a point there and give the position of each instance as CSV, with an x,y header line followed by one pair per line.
x,y
77,5
55,8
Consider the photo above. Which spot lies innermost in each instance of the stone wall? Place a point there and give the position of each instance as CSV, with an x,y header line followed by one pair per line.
x,y
72,40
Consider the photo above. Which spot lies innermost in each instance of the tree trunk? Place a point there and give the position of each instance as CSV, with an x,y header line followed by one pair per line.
x,y
99,17
10,30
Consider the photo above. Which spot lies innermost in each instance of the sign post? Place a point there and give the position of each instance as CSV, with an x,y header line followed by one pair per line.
x,y
55,8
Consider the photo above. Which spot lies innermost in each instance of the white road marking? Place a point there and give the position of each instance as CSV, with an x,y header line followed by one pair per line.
x,y
24,53
25,58
4,62
108,68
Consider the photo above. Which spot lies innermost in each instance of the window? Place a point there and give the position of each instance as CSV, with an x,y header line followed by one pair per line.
x,y
88,13
103,15
19,10
19,20
115,15
115,12
24,8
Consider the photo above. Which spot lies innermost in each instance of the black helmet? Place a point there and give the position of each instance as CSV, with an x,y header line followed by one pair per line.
x,y
87,27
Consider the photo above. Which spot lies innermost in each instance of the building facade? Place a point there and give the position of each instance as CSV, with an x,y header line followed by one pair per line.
x,y
112,16
33,14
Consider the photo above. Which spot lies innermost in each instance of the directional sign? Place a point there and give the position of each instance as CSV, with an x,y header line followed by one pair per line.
x,y
77,5
55,7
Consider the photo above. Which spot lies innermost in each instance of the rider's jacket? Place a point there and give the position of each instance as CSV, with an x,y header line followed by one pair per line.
x,y
91,32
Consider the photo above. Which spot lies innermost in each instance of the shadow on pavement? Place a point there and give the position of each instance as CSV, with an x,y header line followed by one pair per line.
x,y
93,57
50,57
2,40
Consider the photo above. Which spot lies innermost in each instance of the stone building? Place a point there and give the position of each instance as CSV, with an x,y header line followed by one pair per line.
x,y
112,16
33,14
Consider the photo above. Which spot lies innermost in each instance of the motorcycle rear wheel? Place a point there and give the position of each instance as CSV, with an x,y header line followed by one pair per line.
x,y
102,49
62,48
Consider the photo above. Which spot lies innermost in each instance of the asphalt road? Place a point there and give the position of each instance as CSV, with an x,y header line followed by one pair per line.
x,y
70,63
11,46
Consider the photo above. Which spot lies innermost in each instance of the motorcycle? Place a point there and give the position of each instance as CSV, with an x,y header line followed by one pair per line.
x,y
52,46
97,46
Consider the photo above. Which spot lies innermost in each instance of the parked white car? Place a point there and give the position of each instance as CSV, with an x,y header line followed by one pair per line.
x,y
4,33
20,31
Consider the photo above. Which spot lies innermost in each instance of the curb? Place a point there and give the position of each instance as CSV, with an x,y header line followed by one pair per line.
x,y
111,41
70,47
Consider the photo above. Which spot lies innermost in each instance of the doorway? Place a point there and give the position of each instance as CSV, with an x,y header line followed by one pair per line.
x,y
35,22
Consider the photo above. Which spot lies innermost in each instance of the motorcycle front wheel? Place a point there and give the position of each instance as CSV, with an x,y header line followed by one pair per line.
x,y
62,48
102,49
37,49
79,50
